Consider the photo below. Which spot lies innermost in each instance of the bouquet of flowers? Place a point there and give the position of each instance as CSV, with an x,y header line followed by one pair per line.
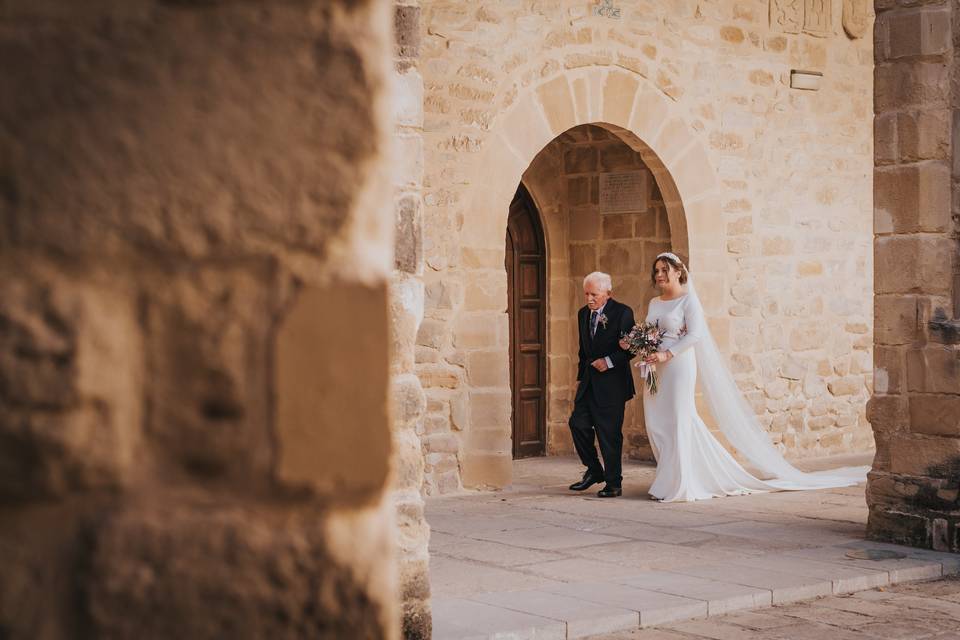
x,y
644,340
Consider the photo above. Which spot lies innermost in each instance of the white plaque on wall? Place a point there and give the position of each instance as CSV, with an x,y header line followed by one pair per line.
x,y
621,192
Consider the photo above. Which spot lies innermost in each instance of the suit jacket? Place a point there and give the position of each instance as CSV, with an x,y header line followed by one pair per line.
x,y
613,386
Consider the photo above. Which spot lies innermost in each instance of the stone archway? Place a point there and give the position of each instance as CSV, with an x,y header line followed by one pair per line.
x,y
639,114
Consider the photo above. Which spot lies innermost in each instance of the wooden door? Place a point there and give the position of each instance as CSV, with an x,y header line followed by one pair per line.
x,y
527,308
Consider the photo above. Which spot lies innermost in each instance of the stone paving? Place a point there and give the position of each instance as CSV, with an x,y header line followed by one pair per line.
x,y
539,561
928,610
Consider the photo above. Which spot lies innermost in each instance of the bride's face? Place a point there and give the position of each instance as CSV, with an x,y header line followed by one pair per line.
x,y
665,275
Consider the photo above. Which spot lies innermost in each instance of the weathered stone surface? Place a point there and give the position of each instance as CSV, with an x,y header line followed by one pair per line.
x,y
208,409
935,414
104,173
172,177
906,264
71,375
934,369
409,235
316,414
204,573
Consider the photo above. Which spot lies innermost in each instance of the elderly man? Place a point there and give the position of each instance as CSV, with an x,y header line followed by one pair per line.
x,y
605,385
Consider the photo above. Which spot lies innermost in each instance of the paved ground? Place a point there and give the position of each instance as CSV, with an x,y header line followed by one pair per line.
x,y
540,561
929,610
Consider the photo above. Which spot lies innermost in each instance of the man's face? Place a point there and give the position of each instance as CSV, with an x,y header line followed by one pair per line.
x,y
596,295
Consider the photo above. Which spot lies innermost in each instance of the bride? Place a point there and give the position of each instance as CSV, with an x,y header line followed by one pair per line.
x,y
691,463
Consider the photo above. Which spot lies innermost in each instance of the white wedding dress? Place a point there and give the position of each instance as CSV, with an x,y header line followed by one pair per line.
x,y
691,462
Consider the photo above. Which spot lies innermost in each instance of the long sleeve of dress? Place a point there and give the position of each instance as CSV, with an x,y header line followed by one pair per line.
x,y
696,324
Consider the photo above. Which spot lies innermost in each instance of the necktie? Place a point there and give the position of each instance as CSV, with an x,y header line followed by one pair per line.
x,y
593,322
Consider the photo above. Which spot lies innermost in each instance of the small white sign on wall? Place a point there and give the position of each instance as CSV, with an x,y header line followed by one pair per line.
x,y
623,192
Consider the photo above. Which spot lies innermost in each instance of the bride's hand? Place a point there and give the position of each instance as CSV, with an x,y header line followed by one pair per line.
x,y
624,345
658,357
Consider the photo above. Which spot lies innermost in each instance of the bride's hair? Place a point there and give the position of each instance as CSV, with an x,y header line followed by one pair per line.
x,y
675,263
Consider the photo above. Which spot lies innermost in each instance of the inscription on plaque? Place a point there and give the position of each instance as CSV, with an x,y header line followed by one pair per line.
x,y
620,192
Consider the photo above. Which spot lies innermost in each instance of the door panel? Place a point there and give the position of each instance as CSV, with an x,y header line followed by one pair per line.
x,y
526,274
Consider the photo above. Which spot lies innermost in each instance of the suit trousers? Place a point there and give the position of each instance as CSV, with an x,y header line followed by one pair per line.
x,y
589,418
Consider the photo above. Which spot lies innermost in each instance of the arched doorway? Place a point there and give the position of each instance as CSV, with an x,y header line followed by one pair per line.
x,y
525,262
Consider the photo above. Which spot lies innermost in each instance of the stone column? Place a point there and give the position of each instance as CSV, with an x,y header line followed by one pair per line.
x,y
915,411
406,312
195,248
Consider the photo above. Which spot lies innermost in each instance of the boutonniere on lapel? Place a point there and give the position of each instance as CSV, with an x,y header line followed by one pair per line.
x,y
602,319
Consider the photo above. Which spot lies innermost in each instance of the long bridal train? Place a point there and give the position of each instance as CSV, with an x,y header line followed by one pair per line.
x,y
691,462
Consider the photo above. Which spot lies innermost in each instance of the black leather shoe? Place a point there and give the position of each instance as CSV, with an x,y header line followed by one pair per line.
x,y
588,481
610,492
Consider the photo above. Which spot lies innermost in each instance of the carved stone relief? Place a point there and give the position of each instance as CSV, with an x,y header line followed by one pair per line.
x,y
813,17
856,18
818,17
786,15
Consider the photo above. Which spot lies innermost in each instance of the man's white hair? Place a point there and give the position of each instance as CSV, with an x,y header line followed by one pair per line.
x,y
600,278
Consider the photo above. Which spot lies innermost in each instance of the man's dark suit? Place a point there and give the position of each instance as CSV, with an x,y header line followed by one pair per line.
x,y
601,396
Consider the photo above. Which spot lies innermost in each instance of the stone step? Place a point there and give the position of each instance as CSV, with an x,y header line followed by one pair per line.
x,y
649,598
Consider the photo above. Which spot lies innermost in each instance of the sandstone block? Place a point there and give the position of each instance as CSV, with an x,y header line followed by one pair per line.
x,y
617,226
319,403
579,159
407,461
889,370
480,330
888,413
584,225
937,415
885,146
904,264
488,368
408,99
486,292
490,409
407,399
208,407
925,456
583,259
408,248
441,442
895,319
617,157
443,294
71,385
618,97
578,191
557,101
495,439
900,85
912,198
432,333
924,135
406,29
674,137
487,469
933,369
846,386
182,572
439,375
921,32
777,246
806,337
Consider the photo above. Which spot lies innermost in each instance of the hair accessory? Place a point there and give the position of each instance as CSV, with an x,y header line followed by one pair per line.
x,y
672,256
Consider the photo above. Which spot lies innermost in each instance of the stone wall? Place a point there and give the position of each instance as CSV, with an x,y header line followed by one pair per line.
x,y
769,194
406,313
915,412
195,233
